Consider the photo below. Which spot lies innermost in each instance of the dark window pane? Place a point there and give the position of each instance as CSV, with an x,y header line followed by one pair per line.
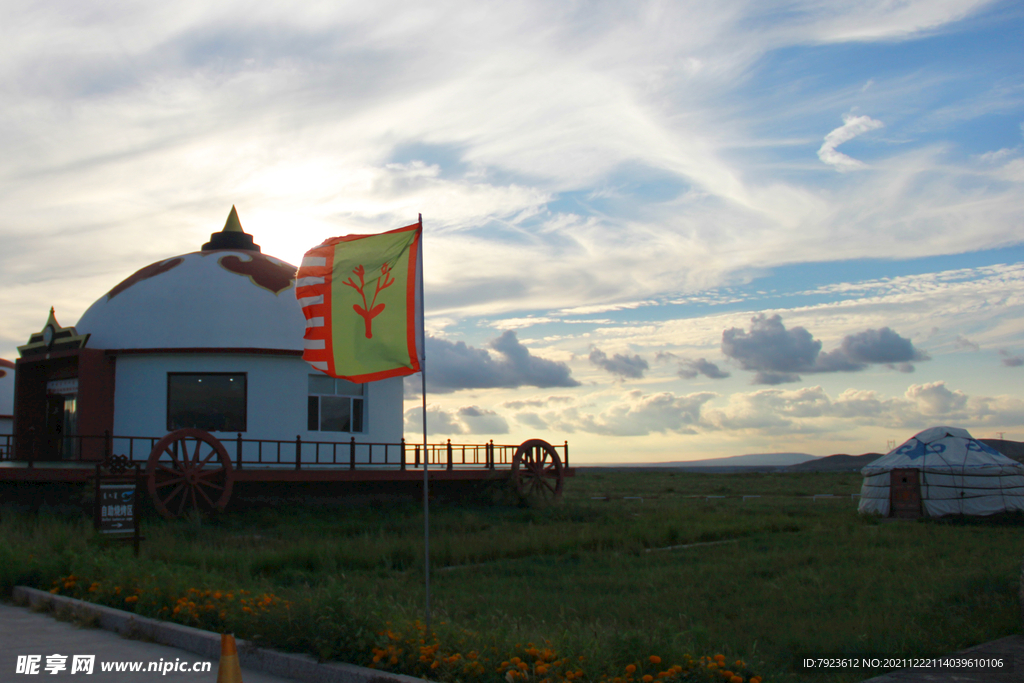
x,y
214,402
334,413
357,415
313,415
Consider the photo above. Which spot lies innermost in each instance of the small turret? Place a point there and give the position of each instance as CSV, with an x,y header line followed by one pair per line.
x,y
232,236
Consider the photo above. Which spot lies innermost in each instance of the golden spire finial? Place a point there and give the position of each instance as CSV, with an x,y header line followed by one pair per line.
x,y
233,224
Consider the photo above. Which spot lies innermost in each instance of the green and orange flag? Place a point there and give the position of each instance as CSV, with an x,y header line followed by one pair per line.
x,y
358,293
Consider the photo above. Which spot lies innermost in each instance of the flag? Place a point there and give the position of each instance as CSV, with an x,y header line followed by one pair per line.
x,y
359,296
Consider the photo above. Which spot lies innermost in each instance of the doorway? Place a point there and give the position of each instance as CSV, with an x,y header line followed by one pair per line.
x,y
905,493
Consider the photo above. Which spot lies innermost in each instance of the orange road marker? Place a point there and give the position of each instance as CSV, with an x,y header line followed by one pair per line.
x,y
229,670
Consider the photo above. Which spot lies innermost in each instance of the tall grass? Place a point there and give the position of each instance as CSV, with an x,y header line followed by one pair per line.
x,y
590,577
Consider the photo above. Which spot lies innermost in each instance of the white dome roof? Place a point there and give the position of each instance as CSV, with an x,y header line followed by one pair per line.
x,y
234,298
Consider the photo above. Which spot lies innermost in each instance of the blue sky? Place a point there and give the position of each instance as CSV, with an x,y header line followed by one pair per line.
x,y
660,230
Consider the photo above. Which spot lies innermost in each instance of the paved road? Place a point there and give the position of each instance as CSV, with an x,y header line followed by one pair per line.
x,y
23,632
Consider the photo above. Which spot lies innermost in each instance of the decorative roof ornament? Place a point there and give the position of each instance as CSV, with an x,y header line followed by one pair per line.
x,y
232,236
53,338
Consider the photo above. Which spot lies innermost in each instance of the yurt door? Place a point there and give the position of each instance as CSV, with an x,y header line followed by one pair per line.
x,y
904,493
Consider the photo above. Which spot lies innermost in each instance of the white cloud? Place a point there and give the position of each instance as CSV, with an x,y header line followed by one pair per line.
x,y
453,422
851,128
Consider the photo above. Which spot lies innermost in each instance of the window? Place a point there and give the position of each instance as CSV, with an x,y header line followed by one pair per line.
x,y
213,401
335,405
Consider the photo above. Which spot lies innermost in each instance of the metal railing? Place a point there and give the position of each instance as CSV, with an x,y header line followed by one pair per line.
x,y
274,453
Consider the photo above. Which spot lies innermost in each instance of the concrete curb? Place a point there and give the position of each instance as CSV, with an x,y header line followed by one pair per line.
x,y
207,644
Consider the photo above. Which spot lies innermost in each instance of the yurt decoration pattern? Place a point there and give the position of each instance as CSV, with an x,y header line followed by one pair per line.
x,y
942,471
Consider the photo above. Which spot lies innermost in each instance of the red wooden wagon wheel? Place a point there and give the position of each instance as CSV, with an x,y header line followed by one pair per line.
x,y
537,471
188,470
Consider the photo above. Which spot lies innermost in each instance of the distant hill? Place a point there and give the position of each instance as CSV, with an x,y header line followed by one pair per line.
x,y
836,463
750,460
1011,449
852,463
798,462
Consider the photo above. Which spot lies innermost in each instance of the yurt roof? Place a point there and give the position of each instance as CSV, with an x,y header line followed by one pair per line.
x,y
944,449
228,295
6,387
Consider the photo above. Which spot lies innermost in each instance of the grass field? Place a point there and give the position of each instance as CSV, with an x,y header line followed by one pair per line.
x,y
600,576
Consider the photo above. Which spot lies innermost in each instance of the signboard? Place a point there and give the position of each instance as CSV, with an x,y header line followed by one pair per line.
x,y
114,509
117,508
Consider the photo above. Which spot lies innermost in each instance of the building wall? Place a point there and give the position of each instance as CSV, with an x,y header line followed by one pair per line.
x,y
277,391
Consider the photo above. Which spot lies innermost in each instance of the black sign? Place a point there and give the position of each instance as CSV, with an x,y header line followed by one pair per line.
x,y
117,508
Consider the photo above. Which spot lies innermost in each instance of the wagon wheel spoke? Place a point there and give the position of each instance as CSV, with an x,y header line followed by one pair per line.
x,y
169,482
168,470
173,452
210,484
175,492
195,452
199,490
210,472
213,452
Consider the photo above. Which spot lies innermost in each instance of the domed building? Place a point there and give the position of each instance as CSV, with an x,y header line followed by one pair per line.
x,y
210,340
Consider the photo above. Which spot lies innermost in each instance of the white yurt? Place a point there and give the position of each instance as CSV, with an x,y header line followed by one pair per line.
x,y
211,340
942,471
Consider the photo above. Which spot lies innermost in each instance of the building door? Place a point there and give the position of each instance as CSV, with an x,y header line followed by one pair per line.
x,y
905,493
61,420
54,441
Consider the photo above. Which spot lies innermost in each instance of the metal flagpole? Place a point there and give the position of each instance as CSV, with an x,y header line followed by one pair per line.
x,y
426,453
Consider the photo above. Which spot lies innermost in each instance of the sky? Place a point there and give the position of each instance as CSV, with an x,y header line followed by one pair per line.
x,y
656,230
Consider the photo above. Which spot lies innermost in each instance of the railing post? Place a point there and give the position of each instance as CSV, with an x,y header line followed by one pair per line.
x,y
298,452
106,444
403,454
490,454
449,453
352,453
417,455
238,451
96,501
566,463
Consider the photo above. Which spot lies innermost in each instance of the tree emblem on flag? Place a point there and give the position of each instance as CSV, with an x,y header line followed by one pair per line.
x,y
371,311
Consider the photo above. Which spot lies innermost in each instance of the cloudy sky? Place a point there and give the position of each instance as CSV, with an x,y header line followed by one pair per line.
x,y
658,230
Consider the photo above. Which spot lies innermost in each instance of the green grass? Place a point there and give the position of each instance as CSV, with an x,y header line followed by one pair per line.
x,y
589,577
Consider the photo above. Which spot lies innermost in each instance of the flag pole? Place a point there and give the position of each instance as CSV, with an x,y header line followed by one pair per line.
x,y
426,452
